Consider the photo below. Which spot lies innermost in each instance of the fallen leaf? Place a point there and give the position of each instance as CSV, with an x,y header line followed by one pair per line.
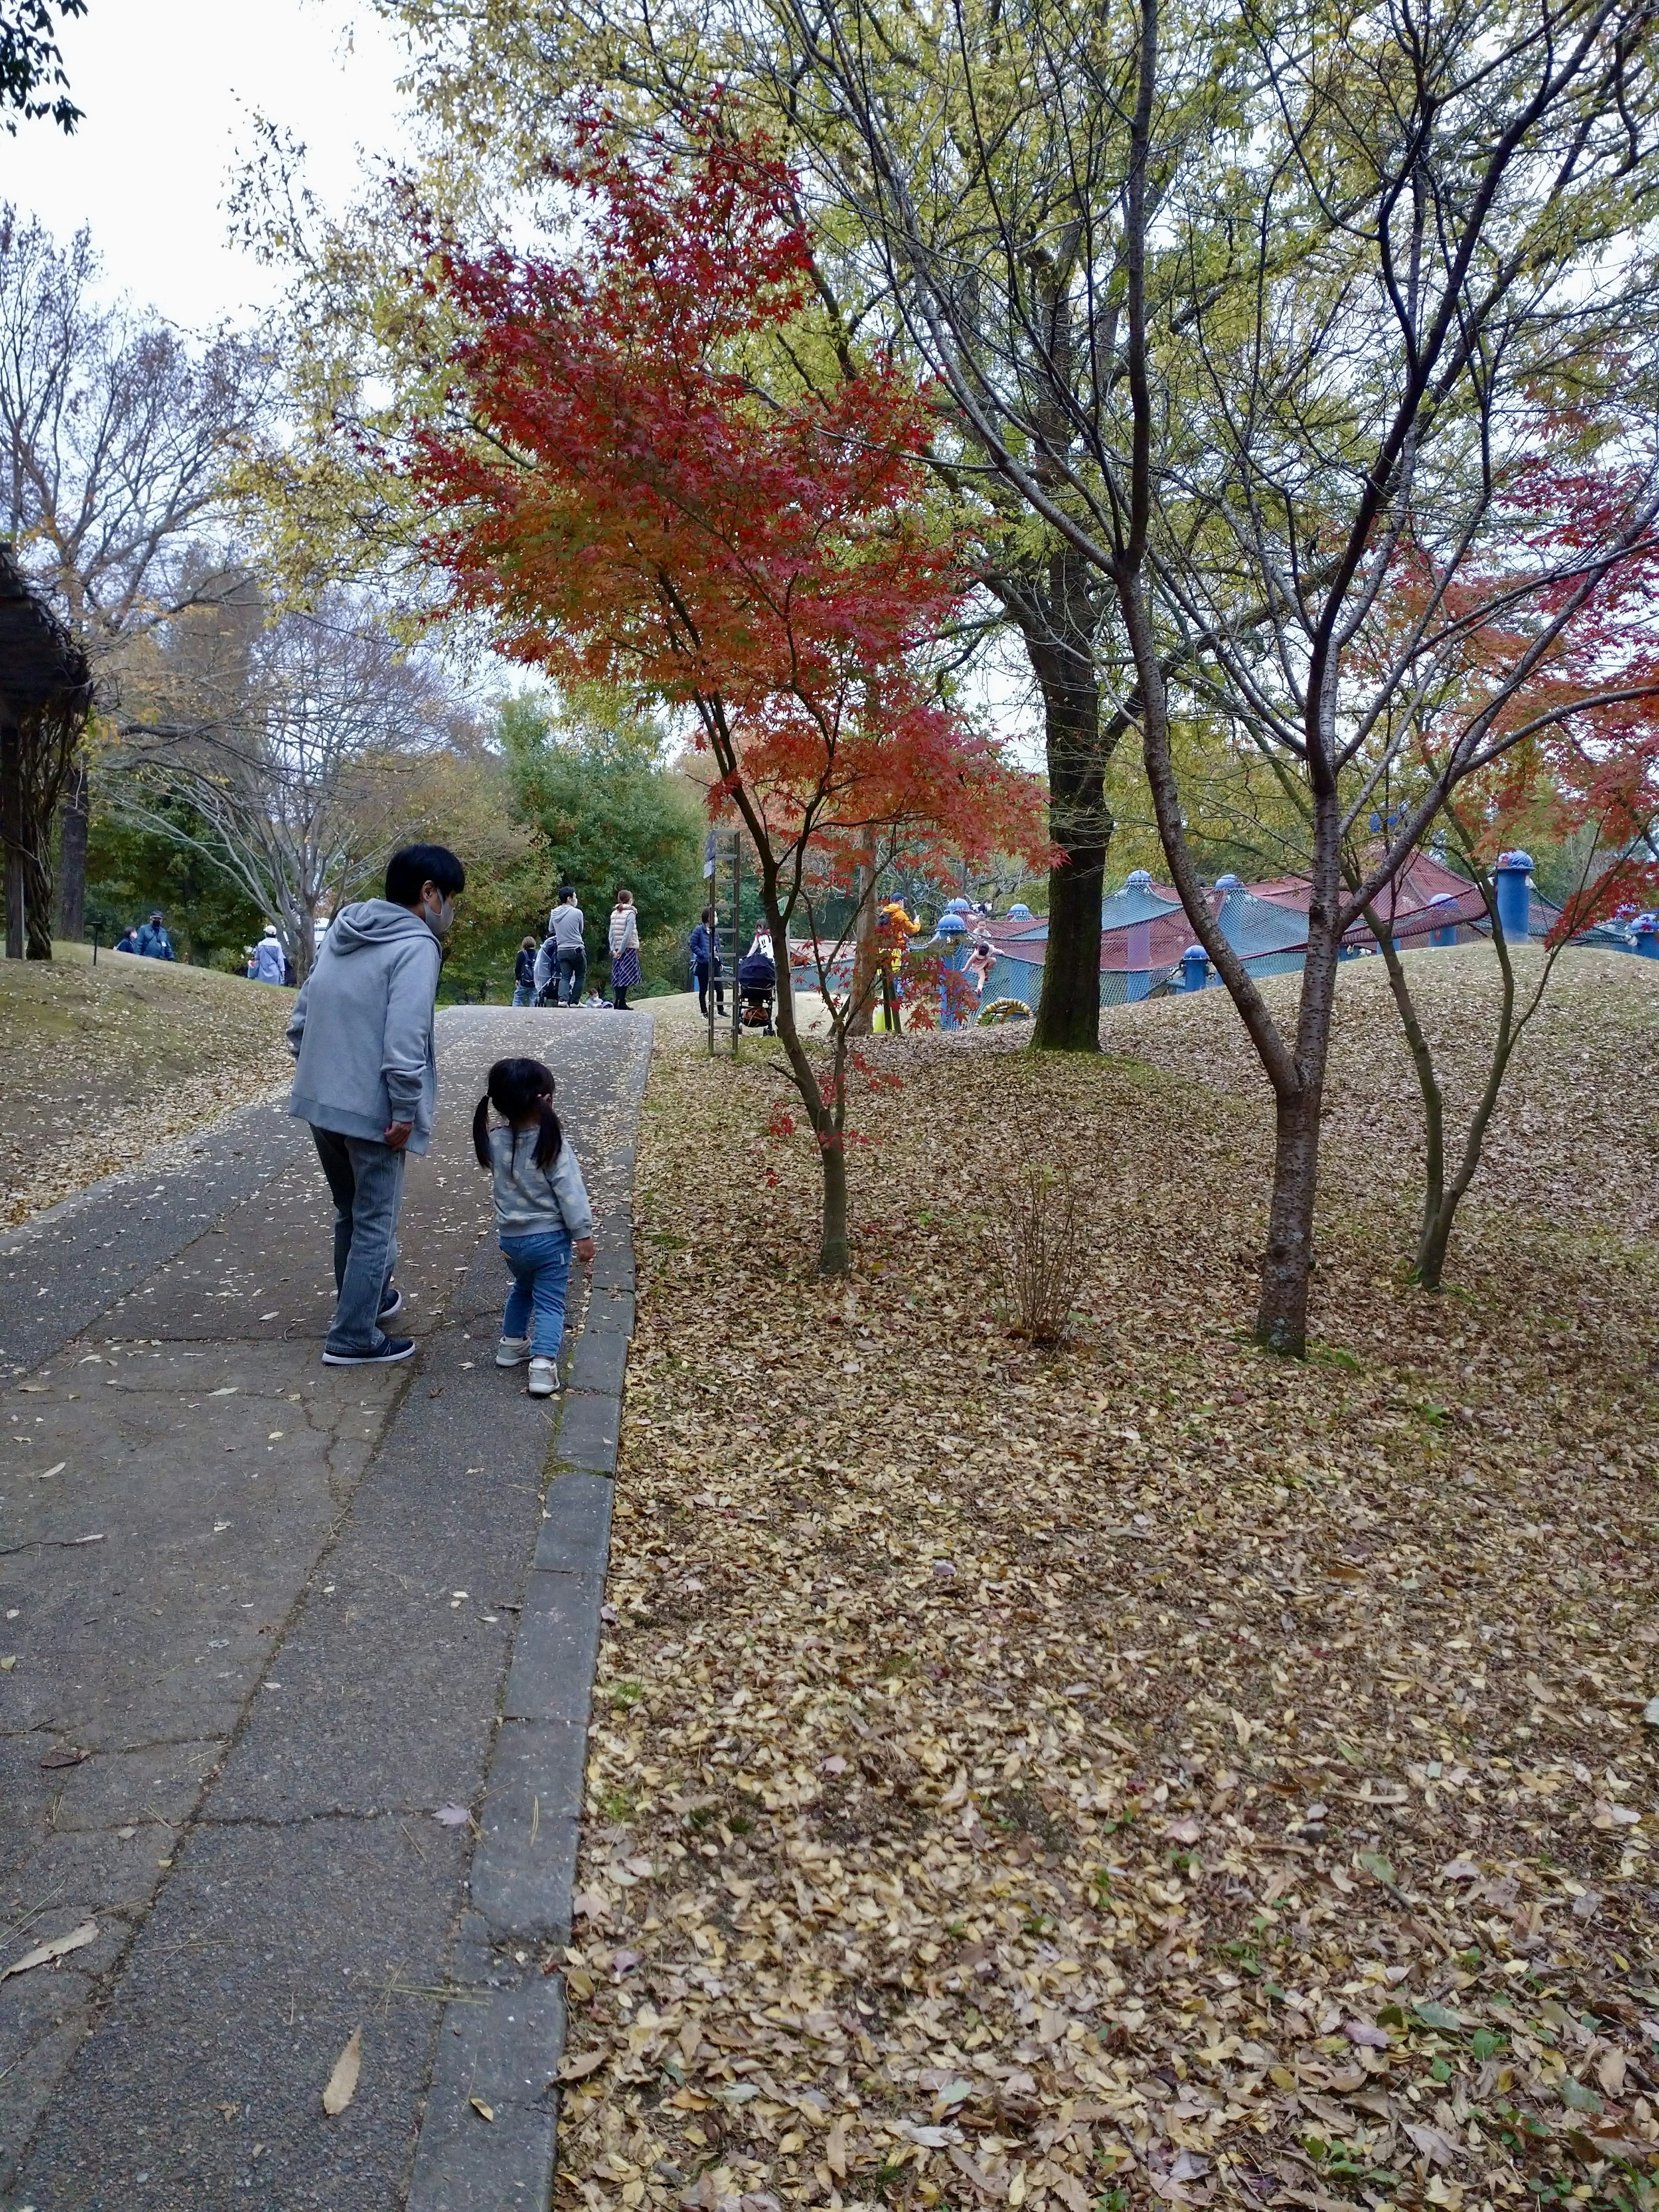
x,y
578,2068
1431,2142
65,1754
342,2082
59,1947
485,2112
452,1816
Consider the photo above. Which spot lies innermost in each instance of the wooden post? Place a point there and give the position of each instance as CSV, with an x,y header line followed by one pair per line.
x,y
73,817
11,833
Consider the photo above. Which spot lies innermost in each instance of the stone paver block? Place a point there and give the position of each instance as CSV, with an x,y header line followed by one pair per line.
x,y
600,1360
505,2052
613,1266
575,1536
590,1432
525,1862
557,1649
611,1309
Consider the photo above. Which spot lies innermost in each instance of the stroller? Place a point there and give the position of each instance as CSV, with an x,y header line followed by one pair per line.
x,y
757,982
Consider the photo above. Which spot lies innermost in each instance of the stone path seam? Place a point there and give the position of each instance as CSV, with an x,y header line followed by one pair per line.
x,y
500,2044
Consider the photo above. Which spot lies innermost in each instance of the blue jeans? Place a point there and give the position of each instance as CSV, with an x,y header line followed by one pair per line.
x,y
540,1267
366,1180
524,994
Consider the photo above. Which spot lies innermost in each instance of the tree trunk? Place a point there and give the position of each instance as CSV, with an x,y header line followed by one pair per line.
x,y
836,1244
11,833
827,1115
73,818
1281,1322
1062,659
862,1021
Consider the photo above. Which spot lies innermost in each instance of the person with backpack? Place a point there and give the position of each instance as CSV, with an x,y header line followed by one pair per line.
x,y
153,942
567,935
366,1079
524,974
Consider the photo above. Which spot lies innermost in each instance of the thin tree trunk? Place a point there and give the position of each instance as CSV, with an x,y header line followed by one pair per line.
x,y
1437,1234
73,819
1281,1322
862,1021
1068,1011
827,1115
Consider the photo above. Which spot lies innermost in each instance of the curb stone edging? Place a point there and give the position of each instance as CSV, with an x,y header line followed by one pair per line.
x,y
500,2037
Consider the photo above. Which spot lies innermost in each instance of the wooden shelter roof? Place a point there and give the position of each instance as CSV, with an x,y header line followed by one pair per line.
x,y
40,664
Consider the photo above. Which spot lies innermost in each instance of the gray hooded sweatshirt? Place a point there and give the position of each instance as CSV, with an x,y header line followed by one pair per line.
x,y
361,1030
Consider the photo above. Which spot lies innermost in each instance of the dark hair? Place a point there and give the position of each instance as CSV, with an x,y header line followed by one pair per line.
x,y
528,945
566,891
416,865
517,1088
708,914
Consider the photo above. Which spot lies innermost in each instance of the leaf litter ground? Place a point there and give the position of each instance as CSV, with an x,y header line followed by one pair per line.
x,y
1151,1770
98,1064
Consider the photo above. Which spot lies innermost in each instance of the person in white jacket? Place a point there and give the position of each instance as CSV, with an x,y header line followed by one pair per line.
x,y
624,939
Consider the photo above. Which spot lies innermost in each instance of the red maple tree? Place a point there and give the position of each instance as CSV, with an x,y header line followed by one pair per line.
x,y
639,483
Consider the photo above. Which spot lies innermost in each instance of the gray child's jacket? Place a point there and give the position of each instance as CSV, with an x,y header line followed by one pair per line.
x,y
533,1201
361,1028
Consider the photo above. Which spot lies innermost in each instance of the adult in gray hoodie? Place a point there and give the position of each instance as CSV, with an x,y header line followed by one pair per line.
x,y
366,1079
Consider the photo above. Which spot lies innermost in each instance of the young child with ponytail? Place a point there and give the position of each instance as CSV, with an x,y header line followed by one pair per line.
x,y
541,1208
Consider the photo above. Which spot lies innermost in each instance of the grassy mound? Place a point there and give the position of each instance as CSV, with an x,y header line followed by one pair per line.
x,y
1151,1771
100,1063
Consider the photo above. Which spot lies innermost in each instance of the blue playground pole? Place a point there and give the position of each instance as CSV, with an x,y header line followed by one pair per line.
x,y
1195,968
951,938
1514,880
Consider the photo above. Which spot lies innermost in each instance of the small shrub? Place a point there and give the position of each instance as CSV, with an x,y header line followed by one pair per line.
x,y
1040,1251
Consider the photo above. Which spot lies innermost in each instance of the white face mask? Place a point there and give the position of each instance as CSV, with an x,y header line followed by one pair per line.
x,y
440,921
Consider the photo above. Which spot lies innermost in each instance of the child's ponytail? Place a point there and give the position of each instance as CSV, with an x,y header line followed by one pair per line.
x,y
551,1137
519,1088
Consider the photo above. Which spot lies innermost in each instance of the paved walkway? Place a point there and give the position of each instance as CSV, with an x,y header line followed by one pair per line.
x,y
257,1617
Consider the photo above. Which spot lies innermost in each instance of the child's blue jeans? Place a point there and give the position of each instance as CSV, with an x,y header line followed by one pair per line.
x,y
540,1267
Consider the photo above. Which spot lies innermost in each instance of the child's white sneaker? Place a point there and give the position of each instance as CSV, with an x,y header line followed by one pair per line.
x,y
544,1378
511,1351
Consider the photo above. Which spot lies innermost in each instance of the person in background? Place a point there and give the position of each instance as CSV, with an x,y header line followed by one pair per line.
x,y
567,930
366,1079
250,962
270,962
978,965
153,942
706,962
524,973
128,941
624,939
541,1206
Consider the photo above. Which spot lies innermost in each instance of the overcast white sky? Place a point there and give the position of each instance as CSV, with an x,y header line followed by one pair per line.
x,y
167,87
